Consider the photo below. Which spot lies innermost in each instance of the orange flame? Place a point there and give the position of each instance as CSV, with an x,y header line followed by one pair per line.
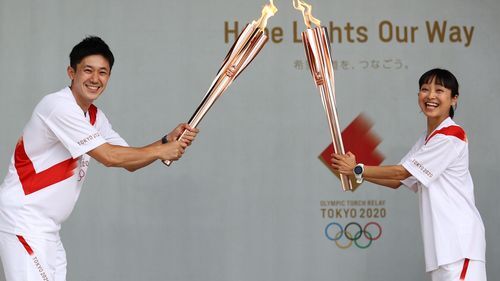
x,y
268,11
306,10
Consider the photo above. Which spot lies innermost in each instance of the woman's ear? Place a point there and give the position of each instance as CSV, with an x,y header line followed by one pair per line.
x,y
454,100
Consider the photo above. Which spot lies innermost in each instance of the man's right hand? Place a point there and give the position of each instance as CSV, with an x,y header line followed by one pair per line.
x,y
172,150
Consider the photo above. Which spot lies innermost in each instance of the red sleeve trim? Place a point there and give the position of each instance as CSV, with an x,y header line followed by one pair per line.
x,y
454,131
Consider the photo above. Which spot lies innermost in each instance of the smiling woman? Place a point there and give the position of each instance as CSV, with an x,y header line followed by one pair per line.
x,y
438,96
437,168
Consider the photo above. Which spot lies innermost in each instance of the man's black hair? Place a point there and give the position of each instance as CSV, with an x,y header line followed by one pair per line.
x,y
91,45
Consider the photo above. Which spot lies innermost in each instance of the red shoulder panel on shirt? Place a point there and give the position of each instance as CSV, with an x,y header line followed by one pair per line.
x,y
454,131
33,181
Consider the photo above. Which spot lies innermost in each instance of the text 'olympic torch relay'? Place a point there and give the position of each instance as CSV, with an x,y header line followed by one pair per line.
x,y
317,47
244,50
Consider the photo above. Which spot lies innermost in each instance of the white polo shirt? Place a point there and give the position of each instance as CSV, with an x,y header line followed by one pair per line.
x,y
452,227
49,165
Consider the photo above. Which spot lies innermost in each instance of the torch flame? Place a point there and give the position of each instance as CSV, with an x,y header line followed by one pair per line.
x,y
306,10
268,11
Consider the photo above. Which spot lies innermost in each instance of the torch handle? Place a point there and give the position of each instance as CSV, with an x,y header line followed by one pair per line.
x,y
169,162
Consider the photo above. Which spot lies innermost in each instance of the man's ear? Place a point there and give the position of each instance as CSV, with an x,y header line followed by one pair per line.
x,y
71,72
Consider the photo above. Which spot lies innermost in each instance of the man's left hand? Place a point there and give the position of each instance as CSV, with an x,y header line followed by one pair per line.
x,y
188,137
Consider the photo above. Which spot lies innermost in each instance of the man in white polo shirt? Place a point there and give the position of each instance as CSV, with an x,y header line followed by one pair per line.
x,y
50,163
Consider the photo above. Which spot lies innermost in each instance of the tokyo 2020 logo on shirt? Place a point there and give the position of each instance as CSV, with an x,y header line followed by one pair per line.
x,y
353,233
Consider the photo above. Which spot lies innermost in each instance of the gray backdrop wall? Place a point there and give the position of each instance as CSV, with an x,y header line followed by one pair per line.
x,y
250,200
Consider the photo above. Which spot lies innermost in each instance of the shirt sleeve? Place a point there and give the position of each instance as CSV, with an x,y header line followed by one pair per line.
x,y
107,131
410,182
74,131
429,162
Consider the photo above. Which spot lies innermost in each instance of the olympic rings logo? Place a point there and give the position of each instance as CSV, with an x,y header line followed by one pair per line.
x,y
360,234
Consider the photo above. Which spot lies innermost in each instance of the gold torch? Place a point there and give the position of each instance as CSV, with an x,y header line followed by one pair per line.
x,y
247,46
317,47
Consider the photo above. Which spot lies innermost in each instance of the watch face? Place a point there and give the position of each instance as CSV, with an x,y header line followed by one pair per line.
x,y
358,170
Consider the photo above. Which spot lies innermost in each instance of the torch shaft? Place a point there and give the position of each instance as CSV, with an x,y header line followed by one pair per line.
x,y
318,54
246,47
335,133
206,104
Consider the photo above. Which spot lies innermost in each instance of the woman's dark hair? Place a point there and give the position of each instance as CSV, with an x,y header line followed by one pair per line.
x,y
444,78
91,45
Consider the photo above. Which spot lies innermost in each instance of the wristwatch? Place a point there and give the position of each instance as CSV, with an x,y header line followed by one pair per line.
x,y
164,140
358,172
